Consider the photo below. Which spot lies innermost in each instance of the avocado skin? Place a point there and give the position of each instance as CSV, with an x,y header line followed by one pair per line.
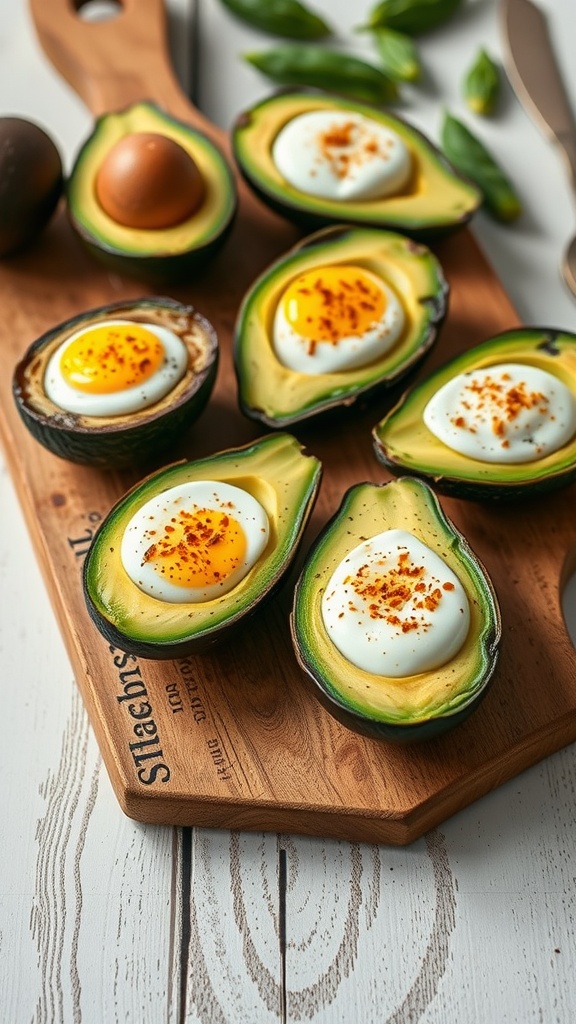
x,y
279,397
310,222
391,505
402,735
422,223
161,270
148,434
105,241
107,587
450,473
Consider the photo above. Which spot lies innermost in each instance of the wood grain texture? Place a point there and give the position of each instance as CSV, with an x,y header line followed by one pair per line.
x,y
362,938
244,744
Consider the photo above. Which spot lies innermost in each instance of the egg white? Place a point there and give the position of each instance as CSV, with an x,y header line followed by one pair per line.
x,y
303,162
200,494
373,644
531,435
118,403
294,351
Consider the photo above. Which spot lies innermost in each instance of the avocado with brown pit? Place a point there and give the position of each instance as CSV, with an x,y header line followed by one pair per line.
x,y
151,196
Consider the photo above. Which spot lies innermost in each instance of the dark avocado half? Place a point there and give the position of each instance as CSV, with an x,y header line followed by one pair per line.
x,y
435,201
417,707
403,443
136,438
279,396
275,470
159,255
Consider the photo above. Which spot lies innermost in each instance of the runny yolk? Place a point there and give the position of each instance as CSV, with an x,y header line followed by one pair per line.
x,y
112,358
197,549
332,303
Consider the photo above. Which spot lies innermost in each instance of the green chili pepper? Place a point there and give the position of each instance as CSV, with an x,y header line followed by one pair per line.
x,y
398,55
411,16
287,18
472,159
320,68
482,84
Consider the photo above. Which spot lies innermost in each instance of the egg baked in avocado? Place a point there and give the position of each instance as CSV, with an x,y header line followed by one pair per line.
x,y
186,555
319,160
344,314
497,422
117,385
150,195
395,621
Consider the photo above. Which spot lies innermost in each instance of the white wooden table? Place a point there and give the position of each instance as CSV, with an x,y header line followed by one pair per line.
x,y
103,919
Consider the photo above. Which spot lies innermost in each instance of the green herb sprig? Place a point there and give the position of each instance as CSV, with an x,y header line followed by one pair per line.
x,y
481,85
413,17
465,151
322,68
288,19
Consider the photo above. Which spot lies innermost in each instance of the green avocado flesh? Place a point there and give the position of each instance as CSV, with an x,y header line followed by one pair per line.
x,y
276,472
157,254
404,444
278,396
435,200
415,706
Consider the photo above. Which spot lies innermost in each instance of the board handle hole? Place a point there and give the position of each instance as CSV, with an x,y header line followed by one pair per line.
x,y
98,10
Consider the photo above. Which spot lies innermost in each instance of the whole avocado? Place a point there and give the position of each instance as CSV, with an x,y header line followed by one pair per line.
x,y
31,182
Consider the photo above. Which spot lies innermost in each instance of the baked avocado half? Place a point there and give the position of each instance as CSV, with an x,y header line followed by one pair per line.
x,y
101,437
401,708
278,395
434,200
276,473
155,170
405,445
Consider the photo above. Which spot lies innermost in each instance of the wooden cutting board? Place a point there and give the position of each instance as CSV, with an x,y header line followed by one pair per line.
x,y
234,738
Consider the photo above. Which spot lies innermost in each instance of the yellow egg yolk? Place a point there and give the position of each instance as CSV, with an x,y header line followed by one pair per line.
x,y
106,359
331,303
197,549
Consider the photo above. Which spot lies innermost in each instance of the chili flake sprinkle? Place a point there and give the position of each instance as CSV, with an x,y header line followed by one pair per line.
x,y
394,607
108,358
503,413
387,587
500,400
331,303
348,144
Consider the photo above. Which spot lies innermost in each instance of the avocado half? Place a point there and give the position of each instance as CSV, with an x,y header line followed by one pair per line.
x,y
436,200
278,396
417,707
403,443
275,471
115,441
159,255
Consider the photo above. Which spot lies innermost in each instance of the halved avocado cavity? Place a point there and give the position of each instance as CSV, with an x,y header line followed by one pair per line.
x,y
158,254
106,440
435,200
405,708
405,445
278,474
277,395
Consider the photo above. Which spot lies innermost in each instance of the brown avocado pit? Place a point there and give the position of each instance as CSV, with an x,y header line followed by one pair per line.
x,y
147,180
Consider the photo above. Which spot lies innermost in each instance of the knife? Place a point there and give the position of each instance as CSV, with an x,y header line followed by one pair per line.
x,y
535,77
